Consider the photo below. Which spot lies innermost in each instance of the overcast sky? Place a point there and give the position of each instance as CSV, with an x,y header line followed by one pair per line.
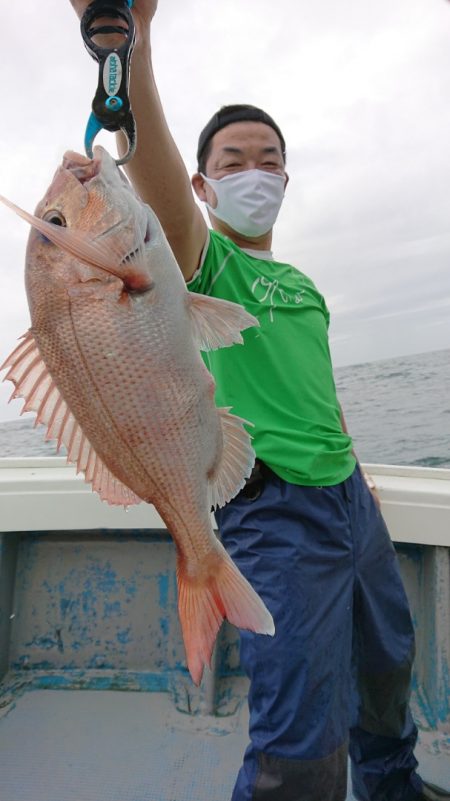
x,y
361,91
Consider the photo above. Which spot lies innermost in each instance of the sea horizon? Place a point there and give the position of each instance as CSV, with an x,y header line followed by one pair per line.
x,y
397,411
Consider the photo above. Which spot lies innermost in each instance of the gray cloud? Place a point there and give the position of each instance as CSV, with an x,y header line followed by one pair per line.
x,y
360,90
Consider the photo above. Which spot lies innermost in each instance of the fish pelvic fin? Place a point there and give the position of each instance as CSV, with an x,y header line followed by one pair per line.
x,y
204,601
237,459
217,323
33,382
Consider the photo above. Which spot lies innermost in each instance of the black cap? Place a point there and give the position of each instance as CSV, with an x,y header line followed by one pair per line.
x,y
238,113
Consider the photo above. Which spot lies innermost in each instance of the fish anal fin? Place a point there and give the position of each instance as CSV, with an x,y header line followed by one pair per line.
x,y
33,382
204,601
217,323
236,462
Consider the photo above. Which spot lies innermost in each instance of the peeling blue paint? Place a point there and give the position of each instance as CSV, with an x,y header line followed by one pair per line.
x,y
99,662
444,694
104,576
111,609
124,636
134,681
65,604
45,643
85,612
163,586
88,603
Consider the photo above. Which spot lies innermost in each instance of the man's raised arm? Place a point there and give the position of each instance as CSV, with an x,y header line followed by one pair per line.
x,y
157,170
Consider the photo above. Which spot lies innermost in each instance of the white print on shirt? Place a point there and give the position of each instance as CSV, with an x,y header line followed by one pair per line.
x,y
272,291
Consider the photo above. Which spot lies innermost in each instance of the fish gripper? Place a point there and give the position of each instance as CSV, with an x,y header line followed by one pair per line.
x,y
111,107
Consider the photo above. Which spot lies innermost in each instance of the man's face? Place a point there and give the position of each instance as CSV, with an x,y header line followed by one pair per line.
x,y
242,146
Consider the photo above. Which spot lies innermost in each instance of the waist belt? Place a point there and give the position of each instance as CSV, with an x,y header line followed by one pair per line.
x,y
256,480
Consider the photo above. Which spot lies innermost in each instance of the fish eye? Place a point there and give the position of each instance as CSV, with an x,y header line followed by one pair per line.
x,y
55,217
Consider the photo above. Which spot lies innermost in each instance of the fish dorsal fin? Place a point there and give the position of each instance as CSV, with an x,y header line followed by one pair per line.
x,y
217,323
33,382
238,458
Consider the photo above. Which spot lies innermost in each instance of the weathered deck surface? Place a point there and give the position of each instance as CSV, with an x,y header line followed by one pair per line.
x,y
77,745
84,745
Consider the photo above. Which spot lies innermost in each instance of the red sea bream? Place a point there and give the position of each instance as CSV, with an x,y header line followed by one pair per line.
x,y
112,367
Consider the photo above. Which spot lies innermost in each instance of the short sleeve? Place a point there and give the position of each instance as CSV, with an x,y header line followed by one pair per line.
x,y
200,276
216,252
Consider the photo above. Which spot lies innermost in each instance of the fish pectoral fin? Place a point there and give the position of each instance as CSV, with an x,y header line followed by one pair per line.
x,y
76,243
33,382
238,458
203,604
108,257
217,323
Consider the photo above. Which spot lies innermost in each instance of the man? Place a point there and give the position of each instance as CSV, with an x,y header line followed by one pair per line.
x,y
305,530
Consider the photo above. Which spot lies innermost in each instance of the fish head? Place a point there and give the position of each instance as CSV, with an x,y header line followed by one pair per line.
x,y
91,227
92,196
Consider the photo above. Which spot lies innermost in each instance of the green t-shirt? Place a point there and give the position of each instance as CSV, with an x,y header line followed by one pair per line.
x,y
281,379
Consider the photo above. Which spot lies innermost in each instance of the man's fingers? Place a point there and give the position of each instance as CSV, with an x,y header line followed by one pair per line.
x,y
143,12
79,6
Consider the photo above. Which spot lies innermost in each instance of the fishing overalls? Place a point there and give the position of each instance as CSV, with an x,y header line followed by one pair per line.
x,y
335,678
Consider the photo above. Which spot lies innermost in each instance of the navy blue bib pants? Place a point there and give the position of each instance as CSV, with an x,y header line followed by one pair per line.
x,y
335,678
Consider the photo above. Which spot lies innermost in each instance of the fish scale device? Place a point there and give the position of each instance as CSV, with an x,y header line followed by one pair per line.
x,y
111,107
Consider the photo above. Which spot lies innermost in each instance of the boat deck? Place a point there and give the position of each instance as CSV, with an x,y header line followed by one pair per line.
x,y
109,745
76,745
95,700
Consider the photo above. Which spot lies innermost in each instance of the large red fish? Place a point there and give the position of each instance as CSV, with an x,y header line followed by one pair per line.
x,y
112,366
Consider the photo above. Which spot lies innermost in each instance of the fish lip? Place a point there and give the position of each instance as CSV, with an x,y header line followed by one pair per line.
x,y
85,170
81,167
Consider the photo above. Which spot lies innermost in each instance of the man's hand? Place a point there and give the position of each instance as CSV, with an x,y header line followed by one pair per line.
x,y
143,12
158,173
372,487
368,479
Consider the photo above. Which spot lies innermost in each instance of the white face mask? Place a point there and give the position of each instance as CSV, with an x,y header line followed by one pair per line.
x,y
248,201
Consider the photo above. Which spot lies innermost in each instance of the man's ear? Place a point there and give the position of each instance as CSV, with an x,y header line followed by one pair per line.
x,y
198,185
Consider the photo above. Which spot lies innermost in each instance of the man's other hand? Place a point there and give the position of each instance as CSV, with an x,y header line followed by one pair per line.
x,y
143,12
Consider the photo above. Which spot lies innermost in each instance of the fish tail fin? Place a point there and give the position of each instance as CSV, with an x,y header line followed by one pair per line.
x,y
205,600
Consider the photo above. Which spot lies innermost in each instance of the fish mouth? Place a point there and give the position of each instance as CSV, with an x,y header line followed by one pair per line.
x,y
81,167
85,169
112,260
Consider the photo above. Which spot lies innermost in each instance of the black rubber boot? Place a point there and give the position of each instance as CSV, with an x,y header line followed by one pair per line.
x,y
432,793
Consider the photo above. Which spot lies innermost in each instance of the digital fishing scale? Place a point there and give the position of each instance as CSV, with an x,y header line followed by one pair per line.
x,y
111,107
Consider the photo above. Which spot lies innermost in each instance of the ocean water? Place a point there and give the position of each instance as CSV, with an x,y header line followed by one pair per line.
x,y
397,411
